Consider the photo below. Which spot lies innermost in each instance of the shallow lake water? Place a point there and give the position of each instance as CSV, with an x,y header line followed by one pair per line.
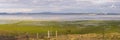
x,y
60,17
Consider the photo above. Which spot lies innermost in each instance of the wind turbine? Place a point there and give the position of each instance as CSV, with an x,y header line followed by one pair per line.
x,y
113,6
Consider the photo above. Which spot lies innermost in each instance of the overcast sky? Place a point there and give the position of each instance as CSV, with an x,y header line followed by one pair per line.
x,y
67,6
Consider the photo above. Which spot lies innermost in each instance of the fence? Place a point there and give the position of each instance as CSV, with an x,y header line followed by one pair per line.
x,y
55,36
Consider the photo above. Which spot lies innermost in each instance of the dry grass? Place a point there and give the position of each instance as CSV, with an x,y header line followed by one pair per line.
x,y
92,36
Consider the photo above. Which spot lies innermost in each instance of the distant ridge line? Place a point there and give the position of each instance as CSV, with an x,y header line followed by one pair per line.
x,y
59,13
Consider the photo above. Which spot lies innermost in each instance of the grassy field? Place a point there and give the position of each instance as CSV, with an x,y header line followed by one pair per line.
x,y
63,27
71,27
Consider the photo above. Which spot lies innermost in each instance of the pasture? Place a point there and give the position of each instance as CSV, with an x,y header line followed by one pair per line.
x,y
33,28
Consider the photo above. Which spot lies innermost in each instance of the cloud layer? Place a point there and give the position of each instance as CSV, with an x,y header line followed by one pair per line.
x,y
84,6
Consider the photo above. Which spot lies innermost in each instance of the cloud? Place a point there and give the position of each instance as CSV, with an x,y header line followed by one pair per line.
x,y
58,5
8,1
12,10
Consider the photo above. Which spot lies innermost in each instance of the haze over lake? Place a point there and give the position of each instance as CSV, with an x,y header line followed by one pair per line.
x,y
60,17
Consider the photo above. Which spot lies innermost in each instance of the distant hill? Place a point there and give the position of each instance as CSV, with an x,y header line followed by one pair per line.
x,y
50,13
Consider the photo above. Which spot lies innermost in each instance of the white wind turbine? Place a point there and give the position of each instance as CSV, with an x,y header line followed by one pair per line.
x,y
113,5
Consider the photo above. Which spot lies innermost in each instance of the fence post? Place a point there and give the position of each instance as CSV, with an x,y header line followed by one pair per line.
x,y
37,36
56,34
27,36
103,33
48,34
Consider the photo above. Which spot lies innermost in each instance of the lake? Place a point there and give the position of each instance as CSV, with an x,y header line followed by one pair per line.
x,y
60,17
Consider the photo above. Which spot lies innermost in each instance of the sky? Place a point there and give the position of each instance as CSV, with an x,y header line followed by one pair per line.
x,y
60,6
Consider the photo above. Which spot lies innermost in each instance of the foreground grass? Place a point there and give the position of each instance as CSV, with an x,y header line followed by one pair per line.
x,y
63,27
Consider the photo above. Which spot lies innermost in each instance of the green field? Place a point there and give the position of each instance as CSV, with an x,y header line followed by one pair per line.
x,y
66,30
63,27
